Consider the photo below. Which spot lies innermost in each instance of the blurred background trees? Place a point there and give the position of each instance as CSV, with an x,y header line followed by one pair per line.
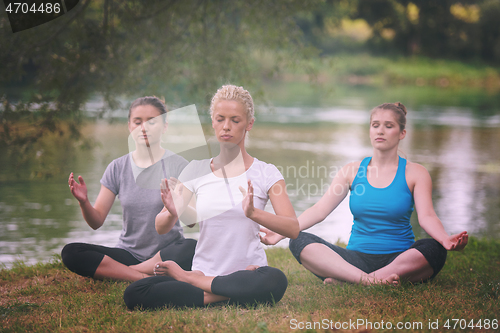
x,y
115,51
464,30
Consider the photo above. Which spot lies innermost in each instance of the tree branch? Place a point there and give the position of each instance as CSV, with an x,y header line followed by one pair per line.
x,y
70,20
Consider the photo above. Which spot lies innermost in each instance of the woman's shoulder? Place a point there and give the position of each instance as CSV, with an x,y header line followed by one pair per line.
x,y
350,170
120,162
416,173
123,157
415,169
261,164
264,175
352,165
264,168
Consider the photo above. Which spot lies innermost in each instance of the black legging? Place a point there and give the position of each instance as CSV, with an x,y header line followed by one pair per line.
x,y
433,252
265,285
83,259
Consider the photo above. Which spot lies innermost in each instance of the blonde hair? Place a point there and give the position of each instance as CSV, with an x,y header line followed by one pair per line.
x,y
397,108
231,92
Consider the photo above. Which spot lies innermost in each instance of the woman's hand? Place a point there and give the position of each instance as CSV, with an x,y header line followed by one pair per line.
x,y
456,242
79,191
270,237
94,215
171,194
247,203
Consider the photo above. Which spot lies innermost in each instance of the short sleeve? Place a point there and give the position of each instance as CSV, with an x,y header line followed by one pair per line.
x,y
175,163
110,178
272,176
180,165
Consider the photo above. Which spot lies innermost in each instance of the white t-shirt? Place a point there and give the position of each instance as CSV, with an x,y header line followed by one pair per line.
x,y
229,241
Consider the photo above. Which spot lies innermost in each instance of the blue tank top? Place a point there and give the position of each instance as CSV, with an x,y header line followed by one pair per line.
x,y
381,215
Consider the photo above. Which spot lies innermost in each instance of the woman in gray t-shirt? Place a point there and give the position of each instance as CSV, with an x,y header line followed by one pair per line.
x,y
127,177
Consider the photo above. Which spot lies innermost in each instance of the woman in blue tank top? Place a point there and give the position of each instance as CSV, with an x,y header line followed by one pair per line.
x,y
383,190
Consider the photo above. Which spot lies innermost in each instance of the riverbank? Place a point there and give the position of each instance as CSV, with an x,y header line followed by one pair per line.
x,y
47,297
376,71
362,80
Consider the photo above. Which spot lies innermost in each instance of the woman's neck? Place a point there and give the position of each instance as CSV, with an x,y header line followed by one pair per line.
x,y
233,158
385,158
147,156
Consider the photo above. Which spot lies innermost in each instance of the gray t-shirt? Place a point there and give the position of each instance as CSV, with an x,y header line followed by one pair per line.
x,y
141,202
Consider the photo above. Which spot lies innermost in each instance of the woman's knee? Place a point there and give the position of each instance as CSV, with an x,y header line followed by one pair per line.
x,y
187,249
162,291
133,294
433,252
273,283
71,255
78,259
269,285
182,252
298,244
265,285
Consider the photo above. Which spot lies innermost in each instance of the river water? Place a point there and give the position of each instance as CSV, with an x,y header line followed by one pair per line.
x,y
460,148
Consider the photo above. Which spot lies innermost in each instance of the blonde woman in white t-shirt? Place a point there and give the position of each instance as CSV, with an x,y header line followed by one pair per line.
x,y
231,191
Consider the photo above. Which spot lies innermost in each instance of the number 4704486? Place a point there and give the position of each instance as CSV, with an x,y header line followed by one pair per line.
x,y
25,8
472,324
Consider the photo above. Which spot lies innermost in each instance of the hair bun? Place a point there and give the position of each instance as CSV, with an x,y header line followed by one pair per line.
x,y
402,107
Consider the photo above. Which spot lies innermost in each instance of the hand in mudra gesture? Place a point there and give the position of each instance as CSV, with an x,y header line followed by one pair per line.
x,y
456,242
171,194
247,203
79,190
270,237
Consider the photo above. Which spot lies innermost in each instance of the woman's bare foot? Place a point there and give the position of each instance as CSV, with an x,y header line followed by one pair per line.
x,y
172,269
332,281
251,267
392,279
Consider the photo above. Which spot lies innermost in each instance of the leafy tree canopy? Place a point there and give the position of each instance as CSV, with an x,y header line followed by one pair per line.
x,y
181,49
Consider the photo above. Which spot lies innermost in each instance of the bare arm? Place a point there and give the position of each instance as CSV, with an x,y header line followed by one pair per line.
x,y
284,221
175,202
319,211
427,218
329,201
93,215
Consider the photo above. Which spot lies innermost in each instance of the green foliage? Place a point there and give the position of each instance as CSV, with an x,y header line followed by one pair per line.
x,y
111,47
451,29
182,50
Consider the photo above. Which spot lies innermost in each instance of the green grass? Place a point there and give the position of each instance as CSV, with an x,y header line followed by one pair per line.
x,y
49,298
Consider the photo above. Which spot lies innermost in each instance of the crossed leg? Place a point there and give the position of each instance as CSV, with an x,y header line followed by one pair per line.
x,y
410,265
323,261
100,262
182,252
147,267
112,269
194,278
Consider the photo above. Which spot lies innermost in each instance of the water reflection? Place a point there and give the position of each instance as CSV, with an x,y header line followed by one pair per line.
x,y
460,150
